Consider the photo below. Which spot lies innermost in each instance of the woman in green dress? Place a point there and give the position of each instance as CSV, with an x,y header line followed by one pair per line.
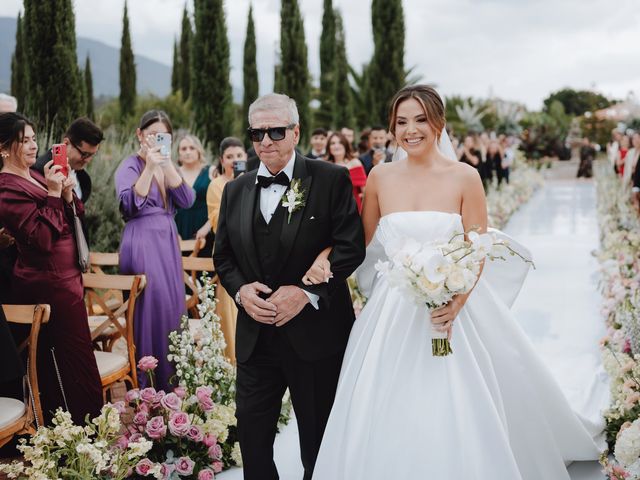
x,y
193,222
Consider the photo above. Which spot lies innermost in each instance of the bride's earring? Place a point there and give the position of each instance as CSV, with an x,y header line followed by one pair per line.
x,y
4,155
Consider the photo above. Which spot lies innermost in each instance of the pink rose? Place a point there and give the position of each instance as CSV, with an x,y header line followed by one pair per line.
x,y
171,401
134,437
184,466
179,424
141,418
132,395
157,398
181,392
195,433
217,466
142,407
215,452
209,440
144,466
203,394
156,428
206,474
119,406
147,363
148,394
122,442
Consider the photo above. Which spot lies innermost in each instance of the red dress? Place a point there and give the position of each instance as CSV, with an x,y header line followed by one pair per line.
x,y
47,271
359,180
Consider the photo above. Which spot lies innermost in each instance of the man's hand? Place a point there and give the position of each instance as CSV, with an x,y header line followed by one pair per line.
x,y
260,310
379,156
289,301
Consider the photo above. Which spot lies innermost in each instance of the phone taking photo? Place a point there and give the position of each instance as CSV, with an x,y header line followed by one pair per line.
x,y
163,140
239,167
59,156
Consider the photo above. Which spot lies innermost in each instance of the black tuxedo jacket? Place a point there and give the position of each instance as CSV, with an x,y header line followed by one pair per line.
x,y
83,177
329,218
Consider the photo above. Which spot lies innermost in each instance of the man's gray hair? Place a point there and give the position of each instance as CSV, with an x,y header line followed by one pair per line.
x,y
275,101
4,98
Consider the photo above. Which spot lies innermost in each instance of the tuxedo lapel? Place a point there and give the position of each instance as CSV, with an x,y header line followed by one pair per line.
x,y
247,207
290,229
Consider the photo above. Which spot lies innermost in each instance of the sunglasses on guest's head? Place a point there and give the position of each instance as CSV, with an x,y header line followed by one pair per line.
x,y
275,133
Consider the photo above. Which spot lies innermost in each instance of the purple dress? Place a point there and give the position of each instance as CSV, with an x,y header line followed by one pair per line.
x,y
150,246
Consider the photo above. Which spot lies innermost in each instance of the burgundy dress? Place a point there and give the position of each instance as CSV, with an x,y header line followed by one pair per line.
x,y
150,246
47,271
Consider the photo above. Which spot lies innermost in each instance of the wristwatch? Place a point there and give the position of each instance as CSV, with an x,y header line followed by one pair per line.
x,y
238,299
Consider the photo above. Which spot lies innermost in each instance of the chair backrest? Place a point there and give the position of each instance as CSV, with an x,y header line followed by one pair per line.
x,y
101,259
35,315
193,246
192,267
97,262
97,285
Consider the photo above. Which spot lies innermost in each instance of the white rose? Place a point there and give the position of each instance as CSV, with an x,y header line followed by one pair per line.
x,y
455,281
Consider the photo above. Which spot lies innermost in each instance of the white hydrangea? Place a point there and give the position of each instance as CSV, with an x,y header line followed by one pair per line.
x,y
627,449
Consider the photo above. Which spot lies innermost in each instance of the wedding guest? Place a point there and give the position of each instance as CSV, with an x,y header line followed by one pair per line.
x,y
37,211
83,138
377,149
192,222
339,152
350,135
318,144
493,162
631,159
149,190
587,154
363,145
231,150
622,153
469,154
613,147
508,157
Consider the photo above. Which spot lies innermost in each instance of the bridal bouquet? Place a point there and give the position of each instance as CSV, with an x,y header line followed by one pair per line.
x,y
433,273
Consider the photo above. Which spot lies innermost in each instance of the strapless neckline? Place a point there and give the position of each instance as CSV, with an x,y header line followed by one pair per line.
x,y
405,212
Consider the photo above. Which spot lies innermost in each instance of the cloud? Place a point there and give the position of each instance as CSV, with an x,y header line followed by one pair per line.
x,y
515,49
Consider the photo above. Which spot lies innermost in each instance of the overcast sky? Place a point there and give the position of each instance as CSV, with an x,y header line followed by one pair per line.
x,y
515,49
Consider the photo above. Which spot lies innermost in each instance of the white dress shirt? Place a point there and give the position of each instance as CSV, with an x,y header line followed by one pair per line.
x,y
271,196
77,188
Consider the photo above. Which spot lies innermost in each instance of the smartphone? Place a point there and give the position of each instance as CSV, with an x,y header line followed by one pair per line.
x,y
59,156
239,167
163,140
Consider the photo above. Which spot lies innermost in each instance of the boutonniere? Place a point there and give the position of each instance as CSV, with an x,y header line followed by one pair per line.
x,y
293,199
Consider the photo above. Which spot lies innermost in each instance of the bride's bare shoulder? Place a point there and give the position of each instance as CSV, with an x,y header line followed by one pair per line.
x,y
464,173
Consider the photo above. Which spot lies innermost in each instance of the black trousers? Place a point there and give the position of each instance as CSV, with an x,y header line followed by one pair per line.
x,y
261,383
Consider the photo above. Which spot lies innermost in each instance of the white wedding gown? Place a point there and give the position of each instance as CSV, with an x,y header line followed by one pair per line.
x,y
491,410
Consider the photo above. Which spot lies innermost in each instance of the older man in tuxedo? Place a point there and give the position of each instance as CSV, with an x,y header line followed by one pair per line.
x,y
289,335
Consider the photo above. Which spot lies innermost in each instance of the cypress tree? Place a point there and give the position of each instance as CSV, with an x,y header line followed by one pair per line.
x,y
210,87
127,70
88,81
19,67
325,114
278,82
54,83
249,68
386,74
186,38
176,73
343,102
295,71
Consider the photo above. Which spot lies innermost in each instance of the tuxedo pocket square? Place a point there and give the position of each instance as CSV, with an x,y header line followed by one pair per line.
x,y
312,217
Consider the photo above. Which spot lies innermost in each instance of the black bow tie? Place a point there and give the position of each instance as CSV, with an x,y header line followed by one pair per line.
x,y
280,179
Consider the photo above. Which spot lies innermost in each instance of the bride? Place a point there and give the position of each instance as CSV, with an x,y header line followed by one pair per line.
x,y
490,410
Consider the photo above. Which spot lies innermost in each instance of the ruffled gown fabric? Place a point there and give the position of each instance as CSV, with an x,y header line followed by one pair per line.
x,y
489,410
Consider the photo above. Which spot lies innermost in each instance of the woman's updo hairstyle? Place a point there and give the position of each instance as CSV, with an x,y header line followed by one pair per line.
x,y
431,104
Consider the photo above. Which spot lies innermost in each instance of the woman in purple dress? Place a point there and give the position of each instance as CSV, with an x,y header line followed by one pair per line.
x,y
149,191
37,212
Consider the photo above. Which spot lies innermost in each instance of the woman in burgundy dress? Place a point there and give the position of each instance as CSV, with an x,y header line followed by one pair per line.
x,y
339,152
149,190
37,212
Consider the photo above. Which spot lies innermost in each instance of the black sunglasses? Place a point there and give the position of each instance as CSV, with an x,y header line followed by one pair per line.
x,y
275,133
83,155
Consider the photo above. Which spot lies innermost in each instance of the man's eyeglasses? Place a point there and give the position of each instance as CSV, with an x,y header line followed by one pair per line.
x,y
83,155
275,133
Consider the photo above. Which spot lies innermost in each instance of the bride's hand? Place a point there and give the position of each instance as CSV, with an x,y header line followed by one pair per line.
x,y
320,271
443,317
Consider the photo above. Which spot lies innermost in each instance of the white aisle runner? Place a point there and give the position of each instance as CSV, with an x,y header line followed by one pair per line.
x,y
558,308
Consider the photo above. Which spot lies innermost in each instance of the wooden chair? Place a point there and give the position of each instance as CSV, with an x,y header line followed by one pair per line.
x,y
193,266
192,246
18,417
117,323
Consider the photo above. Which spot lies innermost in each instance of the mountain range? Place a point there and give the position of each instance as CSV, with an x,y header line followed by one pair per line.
x,y
152,76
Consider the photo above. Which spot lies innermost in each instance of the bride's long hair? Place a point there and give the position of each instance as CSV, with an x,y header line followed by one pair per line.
x,y
431,103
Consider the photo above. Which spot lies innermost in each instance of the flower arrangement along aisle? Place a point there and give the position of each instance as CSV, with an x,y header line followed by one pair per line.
x,y
619,257
67,451
433,273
